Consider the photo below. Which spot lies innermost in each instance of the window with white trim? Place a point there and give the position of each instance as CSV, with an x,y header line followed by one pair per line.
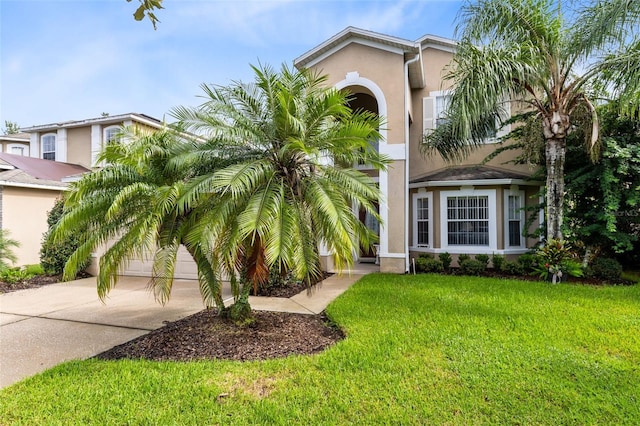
x,y
442,105
422,219
468,220
112,135
17,150
434,110
48,147
514,217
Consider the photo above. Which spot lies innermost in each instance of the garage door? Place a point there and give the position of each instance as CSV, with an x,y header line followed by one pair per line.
x,y
185,267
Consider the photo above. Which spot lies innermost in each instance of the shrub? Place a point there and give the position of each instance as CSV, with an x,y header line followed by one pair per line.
x,y
472,267
34,269
445,258
54,255
606,268
428,264
483,258
528,262
497,260
462,258
512,268
556,257
14,275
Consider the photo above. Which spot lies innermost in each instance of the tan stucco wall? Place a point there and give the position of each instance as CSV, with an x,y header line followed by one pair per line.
x,y
384,68
79,146
24,214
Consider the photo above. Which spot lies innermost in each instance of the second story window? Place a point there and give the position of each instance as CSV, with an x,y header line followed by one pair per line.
x,y
442,105
111,135
49,147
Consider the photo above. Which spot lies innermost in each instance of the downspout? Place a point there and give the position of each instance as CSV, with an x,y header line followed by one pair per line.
x,y
406,158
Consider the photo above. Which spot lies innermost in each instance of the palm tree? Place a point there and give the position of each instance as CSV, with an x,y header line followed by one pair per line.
x,y
275,210
7,244
134,206
534,54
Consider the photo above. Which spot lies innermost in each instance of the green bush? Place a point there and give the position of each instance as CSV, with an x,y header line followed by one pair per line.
x,y
34,269
446,260
497,260
428,264
513,268
53,256
462,258
528,262
14,275
472,267
606,268
483,258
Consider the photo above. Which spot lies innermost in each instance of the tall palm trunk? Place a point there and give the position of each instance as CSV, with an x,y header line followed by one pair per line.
x,y
555,150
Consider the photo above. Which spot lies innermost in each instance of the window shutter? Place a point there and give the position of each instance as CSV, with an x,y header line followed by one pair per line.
x,y
96,143
428,114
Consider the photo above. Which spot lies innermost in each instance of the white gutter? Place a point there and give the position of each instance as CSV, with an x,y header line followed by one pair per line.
x,y
406,159
33,185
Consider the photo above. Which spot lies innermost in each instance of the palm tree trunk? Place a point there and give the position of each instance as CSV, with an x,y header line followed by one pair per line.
x,y
555,150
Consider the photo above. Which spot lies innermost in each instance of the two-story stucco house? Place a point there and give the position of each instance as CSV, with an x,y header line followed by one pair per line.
x,y
427,205
37,164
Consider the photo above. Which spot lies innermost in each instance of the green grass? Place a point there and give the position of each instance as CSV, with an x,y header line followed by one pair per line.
x,y
424,349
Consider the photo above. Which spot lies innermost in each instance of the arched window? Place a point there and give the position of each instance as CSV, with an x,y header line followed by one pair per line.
x,y
48,146
111,135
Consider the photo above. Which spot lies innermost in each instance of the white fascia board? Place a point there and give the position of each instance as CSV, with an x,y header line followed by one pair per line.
x,y
100,120
348,35
484,182
32,185
438,43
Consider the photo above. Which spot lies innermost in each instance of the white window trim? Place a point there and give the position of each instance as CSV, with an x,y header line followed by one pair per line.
x,y
10,147
55,146
105,131
493,235
505,202
416,197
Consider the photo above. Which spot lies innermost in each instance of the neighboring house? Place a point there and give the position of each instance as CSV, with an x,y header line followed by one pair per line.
x,y
37,164
427,205
15,143
80,141
29,188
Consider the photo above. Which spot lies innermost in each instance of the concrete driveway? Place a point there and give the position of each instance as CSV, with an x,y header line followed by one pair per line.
x,y
40,328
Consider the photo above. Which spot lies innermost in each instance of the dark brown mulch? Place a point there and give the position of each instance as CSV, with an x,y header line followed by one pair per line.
x,y
206,335
35,282
288,290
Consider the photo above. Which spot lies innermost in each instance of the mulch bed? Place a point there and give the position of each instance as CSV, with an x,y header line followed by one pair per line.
x,y
35,282
206,335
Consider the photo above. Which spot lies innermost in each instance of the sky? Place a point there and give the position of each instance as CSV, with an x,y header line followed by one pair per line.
x,y
64,60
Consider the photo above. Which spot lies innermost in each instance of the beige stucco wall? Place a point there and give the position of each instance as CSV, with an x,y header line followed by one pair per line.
x,y
79,146
434,63
24,214
384,68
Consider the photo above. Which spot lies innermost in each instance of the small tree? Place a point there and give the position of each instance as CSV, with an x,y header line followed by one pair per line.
x,y
6,250
10,127
54,254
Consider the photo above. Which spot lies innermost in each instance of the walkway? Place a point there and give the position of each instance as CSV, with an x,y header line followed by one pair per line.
x,y
41,328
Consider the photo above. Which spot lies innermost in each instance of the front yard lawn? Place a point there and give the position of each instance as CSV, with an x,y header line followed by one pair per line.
x,y
426,349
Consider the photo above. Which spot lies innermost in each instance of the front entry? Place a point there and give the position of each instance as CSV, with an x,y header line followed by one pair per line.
x,y
369,254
